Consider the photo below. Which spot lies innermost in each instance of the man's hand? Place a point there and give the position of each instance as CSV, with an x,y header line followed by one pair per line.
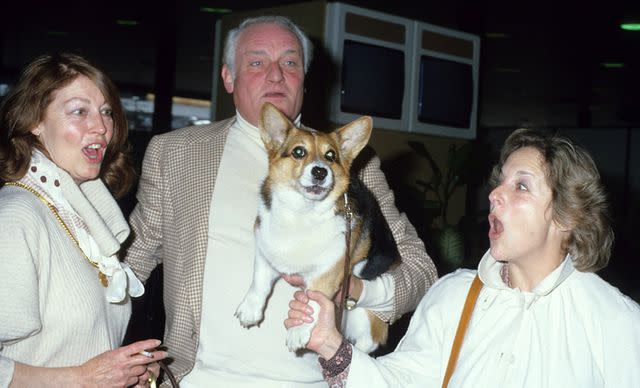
x,y
355,290
355,287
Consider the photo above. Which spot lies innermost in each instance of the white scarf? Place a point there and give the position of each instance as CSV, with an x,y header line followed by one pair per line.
x,y
79,207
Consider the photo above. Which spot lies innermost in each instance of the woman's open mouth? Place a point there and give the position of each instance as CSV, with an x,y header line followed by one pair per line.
x,y
94,152
495,227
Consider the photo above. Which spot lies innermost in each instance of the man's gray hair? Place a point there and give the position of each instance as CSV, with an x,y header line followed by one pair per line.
x,y
231,41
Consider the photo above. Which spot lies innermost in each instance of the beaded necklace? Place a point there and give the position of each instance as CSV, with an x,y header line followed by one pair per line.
x,y
504,274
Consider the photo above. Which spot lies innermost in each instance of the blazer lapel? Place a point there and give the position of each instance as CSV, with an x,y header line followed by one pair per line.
x,y
199,170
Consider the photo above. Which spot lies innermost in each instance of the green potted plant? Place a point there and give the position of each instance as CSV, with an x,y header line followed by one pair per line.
x,y
434,194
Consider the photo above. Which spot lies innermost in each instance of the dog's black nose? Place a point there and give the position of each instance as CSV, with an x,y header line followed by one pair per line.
x,y
319,173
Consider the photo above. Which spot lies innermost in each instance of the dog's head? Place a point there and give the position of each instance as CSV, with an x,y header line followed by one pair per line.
x,y
312,163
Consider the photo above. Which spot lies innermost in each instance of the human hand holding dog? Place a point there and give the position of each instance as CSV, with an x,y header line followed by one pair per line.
x,y
325,337
355,286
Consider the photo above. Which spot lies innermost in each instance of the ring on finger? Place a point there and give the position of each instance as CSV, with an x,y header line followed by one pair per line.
x,y
152,379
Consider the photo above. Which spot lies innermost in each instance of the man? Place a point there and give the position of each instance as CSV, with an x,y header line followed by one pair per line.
x,y
198,198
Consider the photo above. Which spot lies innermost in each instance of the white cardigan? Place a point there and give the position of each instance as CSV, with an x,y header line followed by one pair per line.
x,y
53,310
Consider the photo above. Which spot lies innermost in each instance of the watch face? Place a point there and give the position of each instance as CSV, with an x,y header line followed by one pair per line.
x,y
350,303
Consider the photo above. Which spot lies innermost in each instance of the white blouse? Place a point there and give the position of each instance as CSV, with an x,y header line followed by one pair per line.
x,y
573,330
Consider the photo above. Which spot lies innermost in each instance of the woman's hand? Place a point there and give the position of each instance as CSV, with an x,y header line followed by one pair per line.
x,y
123,367
143,379
325,338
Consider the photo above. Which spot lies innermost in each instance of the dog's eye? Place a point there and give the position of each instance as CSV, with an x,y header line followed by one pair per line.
x,y
330,155
299,152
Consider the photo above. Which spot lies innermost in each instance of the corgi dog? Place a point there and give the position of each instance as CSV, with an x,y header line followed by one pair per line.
x,y
301,223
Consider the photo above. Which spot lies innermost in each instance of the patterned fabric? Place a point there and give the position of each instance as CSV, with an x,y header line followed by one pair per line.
x,y
169,225
417,271
336,369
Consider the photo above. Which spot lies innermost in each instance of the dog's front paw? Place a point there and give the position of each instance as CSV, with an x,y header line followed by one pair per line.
x,y
298,336
249,313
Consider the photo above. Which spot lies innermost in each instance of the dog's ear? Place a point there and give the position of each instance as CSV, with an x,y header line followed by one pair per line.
x,y
354,136
274,126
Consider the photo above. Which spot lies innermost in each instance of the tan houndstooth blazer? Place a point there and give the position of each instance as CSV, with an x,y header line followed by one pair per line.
x,y
169,225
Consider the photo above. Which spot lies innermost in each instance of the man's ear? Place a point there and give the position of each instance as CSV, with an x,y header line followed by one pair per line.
x,y
227,79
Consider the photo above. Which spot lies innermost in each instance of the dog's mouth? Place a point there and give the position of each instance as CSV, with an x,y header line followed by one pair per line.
x,y
315,189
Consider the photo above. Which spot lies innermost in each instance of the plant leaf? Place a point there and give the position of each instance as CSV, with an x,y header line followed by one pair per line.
x,y
421,150
460,163
431,204
414,193
423,183
451,246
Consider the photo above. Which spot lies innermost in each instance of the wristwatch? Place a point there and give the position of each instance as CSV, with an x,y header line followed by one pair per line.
x,y
350,303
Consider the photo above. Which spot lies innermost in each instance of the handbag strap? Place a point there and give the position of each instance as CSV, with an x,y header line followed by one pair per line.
x,y
465,317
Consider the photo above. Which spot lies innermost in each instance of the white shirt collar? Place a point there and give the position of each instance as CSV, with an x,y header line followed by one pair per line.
x,y
244,123
489,272
247,128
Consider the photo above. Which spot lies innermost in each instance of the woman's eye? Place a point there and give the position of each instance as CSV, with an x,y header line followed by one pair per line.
x,y
255,63
299,152
107,112
79,111
330,155
522,187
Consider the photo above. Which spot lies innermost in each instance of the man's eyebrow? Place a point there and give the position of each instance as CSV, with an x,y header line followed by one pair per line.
x,y
264,52
255,52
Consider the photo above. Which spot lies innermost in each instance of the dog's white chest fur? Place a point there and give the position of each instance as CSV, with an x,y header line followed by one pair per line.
x,y
294,236
297,229
298,236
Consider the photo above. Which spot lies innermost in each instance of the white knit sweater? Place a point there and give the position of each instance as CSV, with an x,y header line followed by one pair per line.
x,y
54,311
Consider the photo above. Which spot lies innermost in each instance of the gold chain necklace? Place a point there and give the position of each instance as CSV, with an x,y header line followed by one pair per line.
x,y
103,278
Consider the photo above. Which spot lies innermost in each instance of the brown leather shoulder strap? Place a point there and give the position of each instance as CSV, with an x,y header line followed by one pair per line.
x,y
469,305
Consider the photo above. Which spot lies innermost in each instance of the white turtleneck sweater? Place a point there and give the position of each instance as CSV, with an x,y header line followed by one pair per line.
x,y
228,354
54,310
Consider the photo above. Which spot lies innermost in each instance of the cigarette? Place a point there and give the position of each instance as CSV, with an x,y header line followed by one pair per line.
x,y
146,354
